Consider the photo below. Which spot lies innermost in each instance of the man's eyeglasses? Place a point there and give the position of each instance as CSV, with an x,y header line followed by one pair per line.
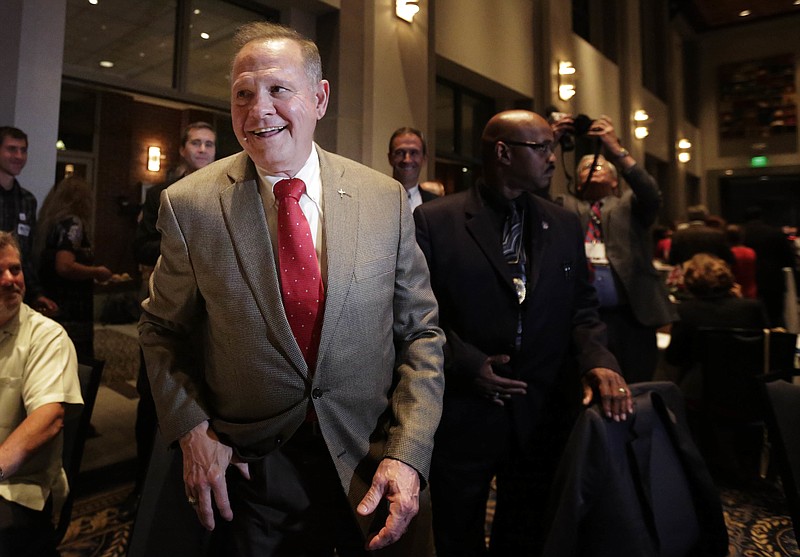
x,y
541,148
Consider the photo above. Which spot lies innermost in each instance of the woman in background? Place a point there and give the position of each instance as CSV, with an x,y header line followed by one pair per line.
x,y
66,260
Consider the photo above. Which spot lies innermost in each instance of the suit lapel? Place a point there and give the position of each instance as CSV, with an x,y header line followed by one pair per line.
x,y
539,230
244,216
340,202
480,226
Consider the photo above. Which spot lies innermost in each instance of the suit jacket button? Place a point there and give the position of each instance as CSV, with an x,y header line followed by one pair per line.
x,y
316,393
279,440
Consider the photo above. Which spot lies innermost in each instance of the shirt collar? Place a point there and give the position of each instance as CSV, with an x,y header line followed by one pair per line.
x,y
309,174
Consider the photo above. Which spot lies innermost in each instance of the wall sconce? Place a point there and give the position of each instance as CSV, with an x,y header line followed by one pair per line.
x,y
406,9
566,80
640,120
684,153
153,158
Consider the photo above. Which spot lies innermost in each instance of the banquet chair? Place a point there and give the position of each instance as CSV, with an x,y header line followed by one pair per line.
x,y
76,430
783,419
729,426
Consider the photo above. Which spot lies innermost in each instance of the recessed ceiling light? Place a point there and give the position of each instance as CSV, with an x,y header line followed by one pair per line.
x,y
197,12
205,36
93,2
106,64
797,2
744,13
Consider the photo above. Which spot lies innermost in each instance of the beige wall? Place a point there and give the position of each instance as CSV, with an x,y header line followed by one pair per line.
x,y
490,38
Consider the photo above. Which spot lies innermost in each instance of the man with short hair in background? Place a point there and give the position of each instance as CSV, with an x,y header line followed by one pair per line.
x,y
38,378
408,153
18,211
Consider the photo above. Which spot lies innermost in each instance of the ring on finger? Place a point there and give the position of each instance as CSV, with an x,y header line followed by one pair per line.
x,y
192,500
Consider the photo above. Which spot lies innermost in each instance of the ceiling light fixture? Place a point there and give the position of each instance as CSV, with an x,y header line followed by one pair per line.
x,y
93,2
106,64
745,13
205,36
406,9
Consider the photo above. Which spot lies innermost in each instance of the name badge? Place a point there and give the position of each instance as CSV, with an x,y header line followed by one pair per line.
x,y
23,230
596,253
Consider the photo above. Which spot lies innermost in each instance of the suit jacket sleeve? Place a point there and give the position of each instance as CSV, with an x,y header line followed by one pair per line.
x,y
166,339
419,384
647,196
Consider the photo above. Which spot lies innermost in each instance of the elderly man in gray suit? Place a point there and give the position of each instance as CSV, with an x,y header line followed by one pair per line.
x,y
291,335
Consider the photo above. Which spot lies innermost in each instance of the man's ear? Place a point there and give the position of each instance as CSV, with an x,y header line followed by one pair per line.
x,y
322,95
502,153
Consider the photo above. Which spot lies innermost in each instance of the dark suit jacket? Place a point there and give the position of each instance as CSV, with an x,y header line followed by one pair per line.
x,y
626,222
427,196
479,309
638,487
699,238
378,383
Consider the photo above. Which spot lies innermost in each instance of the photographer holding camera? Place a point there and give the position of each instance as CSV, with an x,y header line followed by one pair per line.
x,y
616,224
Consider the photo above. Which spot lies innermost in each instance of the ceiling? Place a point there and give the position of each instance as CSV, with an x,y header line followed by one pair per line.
x,y
707,15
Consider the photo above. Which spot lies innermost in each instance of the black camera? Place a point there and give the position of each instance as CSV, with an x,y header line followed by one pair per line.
x,y
581,125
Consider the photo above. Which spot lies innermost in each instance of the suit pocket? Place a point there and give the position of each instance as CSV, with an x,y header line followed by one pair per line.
x,y
375,268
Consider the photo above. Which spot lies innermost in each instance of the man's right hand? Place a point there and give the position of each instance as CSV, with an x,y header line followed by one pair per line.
x,y
496,387
205,460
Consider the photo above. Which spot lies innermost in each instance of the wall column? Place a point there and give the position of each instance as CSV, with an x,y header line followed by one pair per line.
x,y
32,43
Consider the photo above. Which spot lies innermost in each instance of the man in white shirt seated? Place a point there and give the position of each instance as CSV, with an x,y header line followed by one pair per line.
x,y
408,153
38,378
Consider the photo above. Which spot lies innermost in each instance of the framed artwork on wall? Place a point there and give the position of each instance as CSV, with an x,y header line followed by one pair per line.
x,y
757,106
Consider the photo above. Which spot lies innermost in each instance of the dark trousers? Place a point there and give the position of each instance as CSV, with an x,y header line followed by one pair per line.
x,y
146,423
633,344
293,505
25,532
463,469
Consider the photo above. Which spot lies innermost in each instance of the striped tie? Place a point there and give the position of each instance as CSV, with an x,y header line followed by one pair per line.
x,y
594,232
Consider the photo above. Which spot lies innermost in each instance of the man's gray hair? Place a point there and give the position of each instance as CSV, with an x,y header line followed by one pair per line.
x,y
587,159
267,31
8,239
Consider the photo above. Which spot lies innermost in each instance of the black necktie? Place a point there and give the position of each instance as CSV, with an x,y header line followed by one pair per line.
x,y
514,253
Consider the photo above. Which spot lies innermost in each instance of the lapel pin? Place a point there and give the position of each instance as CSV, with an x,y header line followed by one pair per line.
x,y
545,225
342,193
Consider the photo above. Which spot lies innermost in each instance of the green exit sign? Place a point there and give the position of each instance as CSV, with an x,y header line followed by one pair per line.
x,y
759,162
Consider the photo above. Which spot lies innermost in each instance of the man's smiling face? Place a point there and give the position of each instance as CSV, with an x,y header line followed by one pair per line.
x,y
275,106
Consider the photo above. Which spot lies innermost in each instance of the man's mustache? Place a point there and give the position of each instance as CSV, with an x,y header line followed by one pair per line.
x,y
13,289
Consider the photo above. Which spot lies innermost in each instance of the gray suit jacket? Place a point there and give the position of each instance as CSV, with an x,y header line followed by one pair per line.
x,y
218,345
626,222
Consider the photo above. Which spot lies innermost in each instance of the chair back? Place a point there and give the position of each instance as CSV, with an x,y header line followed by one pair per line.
x,y
783,419
76,429
731,361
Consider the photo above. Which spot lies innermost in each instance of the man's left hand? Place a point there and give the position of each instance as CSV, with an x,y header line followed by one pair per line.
x,y
399,484
610,386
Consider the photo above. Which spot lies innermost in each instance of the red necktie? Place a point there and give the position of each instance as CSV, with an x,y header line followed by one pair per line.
x,y
301,284
594,233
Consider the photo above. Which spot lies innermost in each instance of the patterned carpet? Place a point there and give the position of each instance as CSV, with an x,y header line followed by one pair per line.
x,y
757,524
96,528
